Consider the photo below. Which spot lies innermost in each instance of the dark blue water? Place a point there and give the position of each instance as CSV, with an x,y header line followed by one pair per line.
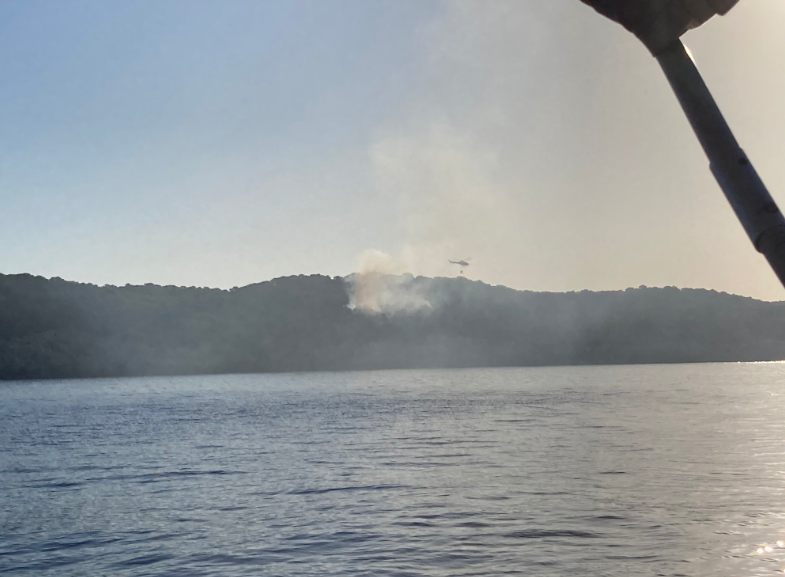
x,y
649,470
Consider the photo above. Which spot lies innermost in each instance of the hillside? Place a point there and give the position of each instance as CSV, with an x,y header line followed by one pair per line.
x,y
56,329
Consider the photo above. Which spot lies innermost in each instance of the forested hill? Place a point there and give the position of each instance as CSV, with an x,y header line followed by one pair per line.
x,y
54,328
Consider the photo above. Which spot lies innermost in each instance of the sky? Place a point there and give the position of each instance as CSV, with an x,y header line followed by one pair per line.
x,y
219,144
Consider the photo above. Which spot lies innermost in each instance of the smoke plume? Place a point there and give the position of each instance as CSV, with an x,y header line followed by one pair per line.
x,y
383,286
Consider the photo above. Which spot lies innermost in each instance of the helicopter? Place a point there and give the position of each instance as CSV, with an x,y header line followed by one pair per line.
x,y
461,263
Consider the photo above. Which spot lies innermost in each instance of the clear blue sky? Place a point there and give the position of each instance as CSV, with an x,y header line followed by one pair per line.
x,y
223,143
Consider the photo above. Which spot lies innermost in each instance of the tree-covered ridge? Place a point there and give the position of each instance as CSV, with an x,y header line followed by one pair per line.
x,y
55,328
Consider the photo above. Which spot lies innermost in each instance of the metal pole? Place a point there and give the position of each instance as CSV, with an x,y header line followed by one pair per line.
x,y
743,188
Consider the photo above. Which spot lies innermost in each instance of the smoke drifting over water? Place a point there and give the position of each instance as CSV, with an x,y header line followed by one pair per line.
x,y
383,286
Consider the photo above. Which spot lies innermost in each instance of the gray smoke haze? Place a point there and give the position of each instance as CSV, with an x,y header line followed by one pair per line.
x,y
556,173
381,286
443,169
449,205
50,329
443,160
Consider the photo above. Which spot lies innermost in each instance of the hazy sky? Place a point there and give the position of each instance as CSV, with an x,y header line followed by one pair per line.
x,y
224,143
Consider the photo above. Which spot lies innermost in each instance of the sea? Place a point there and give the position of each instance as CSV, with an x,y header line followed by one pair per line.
x,y
602,471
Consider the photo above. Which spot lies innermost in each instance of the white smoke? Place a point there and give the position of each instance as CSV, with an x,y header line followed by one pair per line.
x,y
450,204
383,286
444,160
450,208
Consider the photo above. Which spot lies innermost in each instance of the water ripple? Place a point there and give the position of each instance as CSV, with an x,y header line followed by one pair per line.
x,y
611,471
